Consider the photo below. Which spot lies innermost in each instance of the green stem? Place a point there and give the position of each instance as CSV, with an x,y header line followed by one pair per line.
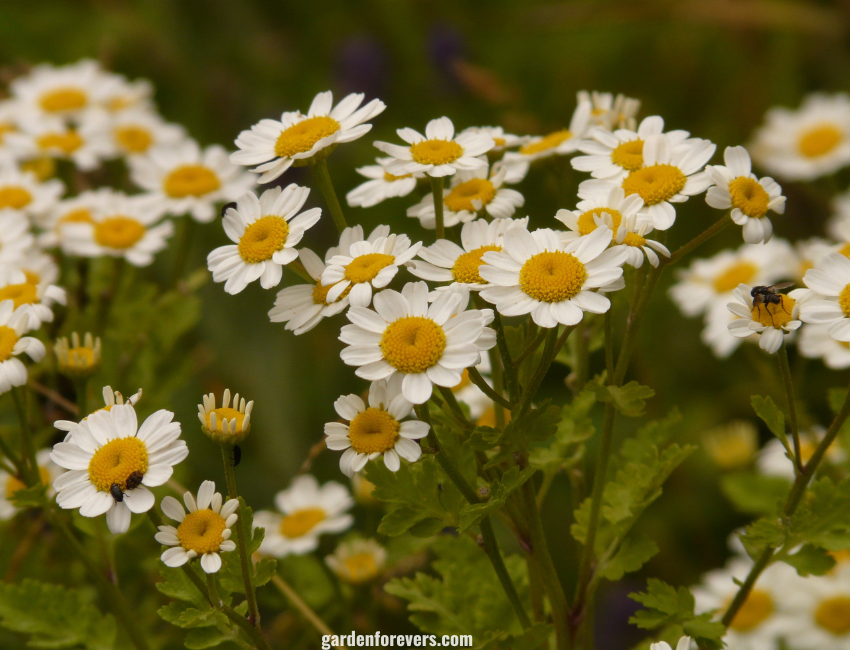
x,y
28,460
298,268
582,357
184,245
242,536
609,341
303,608
530,348
785,369
326,187
437,192
476,378
455,408
550,351
510,371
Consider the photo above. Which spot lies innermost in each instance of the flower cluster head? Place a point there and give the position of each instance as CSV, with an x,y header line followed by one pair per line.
x,y
227,424
357,561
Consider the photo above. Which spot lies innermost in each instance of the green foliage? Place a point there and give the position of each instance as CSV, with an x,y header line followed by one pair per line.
x,y
629,399
531,639
631,556
55,617
811,560
755,494
230,575
767,410
501,488
566,446
30,497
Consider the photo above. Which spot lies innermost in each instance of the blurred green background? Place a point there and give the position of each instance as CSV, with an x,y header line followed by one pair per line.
x,y
712,67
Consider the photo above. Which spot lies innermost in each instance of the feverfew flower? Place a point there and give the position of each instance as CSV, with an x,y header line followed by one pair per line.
x,y
501,139
829,304
76,209
381,185
205,531
10,484
12,344
65,92
265,231
85,143
818,611
22,191
772,320
305,511
135,132
357,561
557,143
33,301
185,179
538,274
78,358
228,423
113,462
296,139
376,430
110,398
438,152
427,344
750,198
610,111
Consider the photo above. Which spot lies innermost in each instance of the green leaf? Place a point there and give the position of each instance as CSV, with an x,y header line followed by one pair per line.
x,y
33,497
574,428
630,399
755,493
811,560
471,514
175,584
763,533
823,517
264,570
631,556
54,616
531,639
208,637
767,410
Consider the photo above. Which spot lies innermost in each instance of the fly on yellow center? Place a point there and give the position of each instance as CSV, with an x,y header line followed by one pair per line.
x,y
552,276
413,344
819,140
587,220
118,232
749,197
133,139
82,215
756,609
546,143
301,137
436,152
373,431
365,268
655,184
629,155
465,268
62,100
14,484
737,273
113,463
462,195
225,413
201,531
360,567
263,238
14,197
8,341
320,293
190,180
833,615
67,142
771,314
301,522
21,294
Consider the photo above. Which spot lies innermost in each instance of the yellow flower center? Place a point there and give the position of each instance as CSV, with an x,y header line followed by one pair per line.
x,y
117,461
67,142
118,232
301,137
756,609
366,267
654,184
819,140
436,152
21,294
749,197
61,100
43,167
14,197
320,294
360,567
413,344
8,340
546,142
32,277
222,414
79,358
390,177
373,431
629,155
190,180
201,531
465,268
500,142
133,139
463,194
737,273
633,239
844,300
81,215
833,615
587,223
552,276
771,314
263,238
301,522
14,484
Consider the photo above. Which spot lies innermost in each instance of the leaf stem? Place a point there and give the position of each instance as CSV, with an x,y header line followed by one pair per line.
x,y
437,192
326,187
476,378
785,370
28,461
510,371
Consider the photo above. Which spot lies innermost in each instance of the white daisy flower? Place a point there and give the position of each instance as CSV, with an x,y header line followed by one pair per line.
x,y
437,153
364,264
773,459
428,344
471,194
39,268
78,358
76,209
806,143
610,111
185,179
32,301
732,445
66,92
113,462
818,612
381,185
376,430
816,343
110,398
357,561
445,261
10,484
276,145
671,173
538,274
135,132
85,143
13,326
225,424
265,231
305,511
501,139
303,306
750,198
829,299
205,531
22,191
16,240
557,143
120,94
124,227
772,320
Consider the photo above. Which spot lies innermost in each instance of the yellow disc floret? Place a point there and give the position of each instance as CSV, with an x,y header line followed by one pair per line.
x,y
118,232
413,344
8,341
67,142
436,152
465,268
737,273
21,294
222,414
366,267
833,615
14,197
749,197
301,137
360,567
587,220
133,139
463,195
820,140
201,531
116,461
190,180
301,522
546,143
771,314
373,431
844,300
552,276
756,609
81,215
655,183
61,100
629,155
263,238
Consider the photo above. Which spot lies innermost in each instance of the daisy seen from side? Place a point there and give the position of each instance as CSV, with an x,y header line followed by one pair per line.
x,y
381,185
